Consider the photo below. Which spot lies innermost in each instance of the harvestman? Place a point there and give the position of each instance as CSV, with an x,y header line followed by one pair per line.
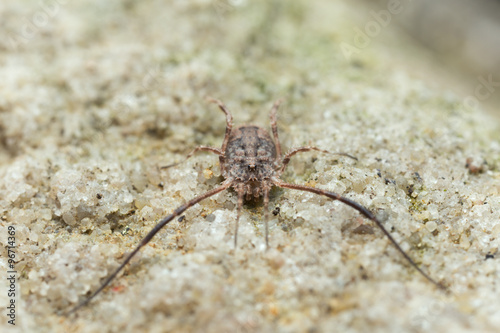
x,y
251,163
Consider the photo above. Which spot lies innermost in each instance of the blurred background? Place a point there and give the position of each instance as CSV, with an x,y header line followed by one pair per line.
x,y
464,38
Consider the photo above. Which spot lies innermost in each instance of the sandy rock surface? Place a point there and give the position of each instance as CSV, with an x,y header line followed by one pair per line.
x,y
96,96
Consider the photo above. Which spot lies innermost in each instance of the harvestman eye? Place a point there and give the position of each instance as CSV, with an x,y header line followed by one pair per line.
x,y
241,148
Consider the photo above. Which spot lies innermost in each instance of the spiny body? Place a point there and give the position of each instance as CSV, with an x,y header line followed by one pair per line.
x,y
250,159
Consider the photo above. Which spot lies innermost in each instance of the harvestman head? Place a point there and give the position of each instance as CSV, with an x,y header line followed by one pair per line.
x,y
251,163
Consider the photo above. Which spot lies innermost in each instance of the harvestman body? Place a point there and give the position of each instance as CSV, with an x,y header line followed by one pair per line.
x,y
251,163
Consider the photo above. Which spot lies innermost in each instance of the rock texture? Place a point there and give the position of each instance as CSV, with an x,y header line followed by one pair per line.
x,y
97,96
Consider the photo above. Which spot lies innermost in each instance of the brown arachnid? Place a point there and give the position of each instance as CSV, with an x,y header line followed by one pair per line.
x,y
251,162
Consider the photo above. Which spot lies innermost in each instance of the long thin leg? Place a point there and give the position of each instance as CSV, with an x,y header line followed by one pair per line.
x,y
229,121
200,148
266,214
229,127
238,212
363,211
274,127
286,158
150,235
